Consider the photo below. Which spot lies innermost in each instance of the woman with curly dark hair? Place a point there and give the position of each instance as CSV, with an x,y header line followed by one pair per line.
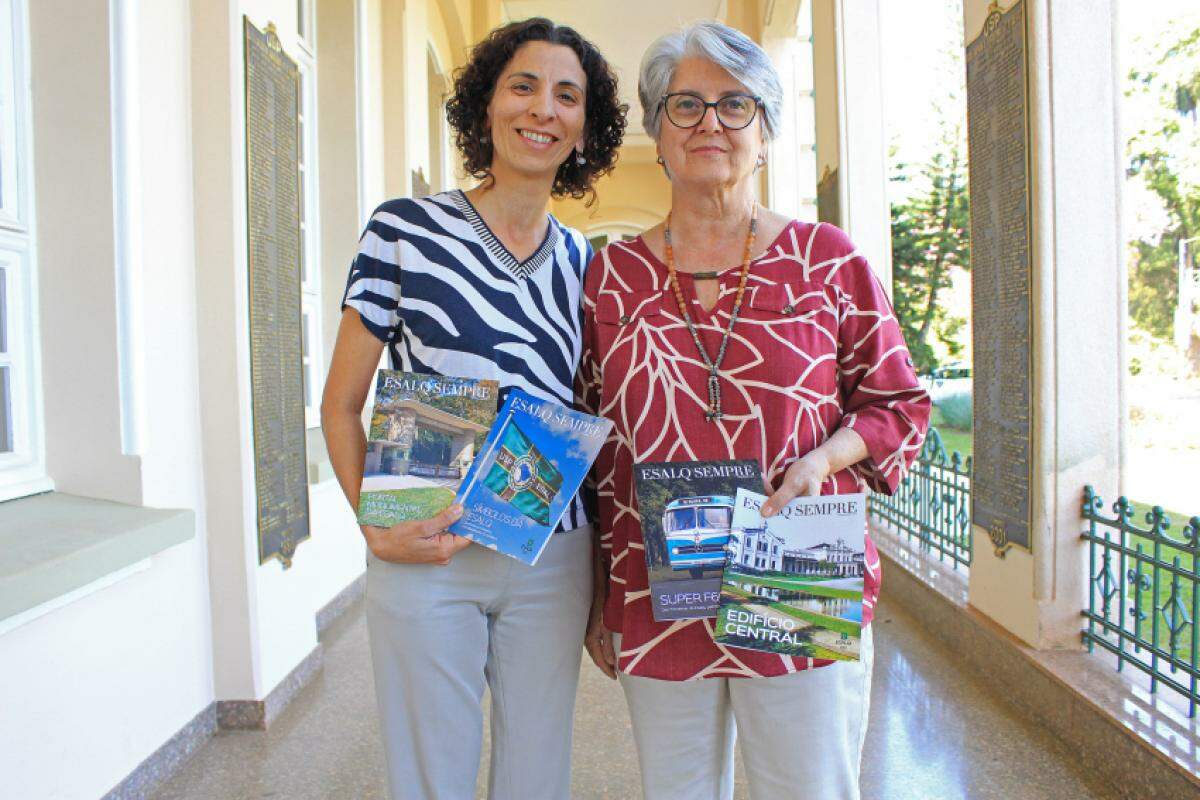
x,y
481,284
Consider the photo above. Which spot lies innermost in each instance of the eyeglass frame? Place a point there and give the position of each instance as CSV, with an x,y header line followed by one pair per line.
x,y
707,105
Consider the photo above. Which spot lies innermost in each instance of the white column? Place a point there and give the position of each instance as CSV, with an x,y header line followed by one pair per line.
x,y
1078,317
849,85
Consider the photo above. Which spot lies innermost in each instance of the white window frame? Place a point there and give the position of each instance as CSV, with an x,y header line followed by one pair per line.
x,y
306,25
312,356
23,469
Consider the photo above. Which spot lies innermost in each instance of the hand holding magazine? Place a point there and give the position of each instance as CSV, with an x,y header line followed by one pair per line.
x,y
793,584
425,433
526,475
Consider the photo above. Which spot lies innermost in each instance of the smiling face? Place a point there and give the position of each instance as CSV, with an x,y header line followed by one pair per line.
x,y
536,114
709,153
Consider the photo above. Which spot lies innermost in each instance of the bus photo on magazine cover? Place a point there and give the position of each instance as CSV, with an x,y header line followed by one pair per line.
x,y
697,532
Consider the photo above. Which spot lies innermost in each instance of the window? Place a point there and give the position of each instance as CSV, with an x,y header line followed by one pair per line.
x,y
792,157
22,470
713,517
312,361
681,519
305,24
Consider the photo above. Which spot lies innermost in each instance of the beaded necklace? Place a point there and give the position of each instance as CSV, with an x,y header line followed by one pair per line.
x,y
714,382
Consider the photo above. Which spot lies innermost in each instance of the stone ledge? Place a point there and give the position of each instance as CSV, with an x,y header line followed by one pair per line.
x,y
52,544
1141,744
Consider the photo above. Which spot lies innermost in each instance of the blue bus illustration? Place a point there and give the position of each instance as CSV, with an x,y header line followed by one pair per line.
x,y
696,530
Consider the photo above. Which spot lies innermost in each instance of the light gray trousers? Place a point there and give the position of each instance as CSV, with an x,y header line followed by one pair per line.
x,y
439,633
801,734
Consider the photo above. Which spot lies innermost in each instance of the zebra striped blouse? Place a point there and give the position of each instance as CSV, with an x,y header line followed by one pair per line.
x,y
433,282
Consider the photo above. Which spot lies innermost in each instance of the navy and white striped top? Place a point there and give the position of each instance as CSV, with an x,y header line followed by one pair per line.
x,y
433,282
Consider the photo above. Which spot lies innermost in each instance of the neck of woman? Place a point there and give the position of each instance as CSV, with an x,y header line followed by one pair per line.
x,y
512,204
711,219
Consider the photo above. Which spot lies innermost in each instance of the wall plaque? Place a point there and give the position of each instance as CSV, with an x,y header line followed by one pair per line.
x,y
1002,278
273,237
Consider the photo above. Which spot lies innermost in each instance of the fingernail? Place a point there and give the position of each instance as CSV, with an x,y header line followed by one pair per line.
x,y
456,510
767,511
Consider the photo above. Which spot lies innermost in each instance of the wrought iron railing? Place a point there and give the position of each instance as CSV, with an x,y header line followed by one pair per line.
x,y
1143,602
932,505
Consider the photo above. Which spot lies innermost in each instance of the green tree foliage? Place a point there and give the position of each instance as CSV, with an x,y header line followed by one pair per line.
x,y
1164,152
930,208
930,238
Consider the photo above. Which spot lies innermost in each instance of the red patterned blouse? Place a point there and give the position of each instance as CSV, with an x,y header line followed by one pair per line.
x,y
816,347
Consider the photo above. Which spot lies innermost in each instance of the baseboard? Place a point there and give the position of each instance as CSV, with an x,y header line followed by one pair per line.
x,y
1042,686
330,612
259,714
161,765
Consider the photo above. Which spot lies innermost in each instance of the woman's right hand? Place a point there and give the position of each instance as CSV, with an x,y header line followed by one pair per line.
x,y
599,640
418,541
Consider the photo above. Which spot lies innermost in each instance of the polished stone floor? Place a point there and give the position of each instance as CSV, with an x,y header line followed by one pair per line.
x,y
936,733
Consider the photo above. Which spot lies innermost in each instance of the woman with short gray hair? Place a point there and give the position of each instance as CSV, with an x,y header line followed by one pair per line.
x,y
732,332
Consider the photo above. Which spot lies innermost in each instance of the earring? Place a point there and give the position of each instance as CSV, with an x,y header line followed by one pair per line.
x,y
579,159
762,161
660,162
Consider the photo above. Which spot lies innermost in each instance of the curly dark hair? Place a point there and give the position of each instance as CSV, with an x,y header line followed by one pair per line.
x,y
474,83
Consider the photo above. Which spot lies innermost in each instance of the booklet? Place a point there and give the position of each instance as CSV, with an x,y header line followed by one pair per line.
x,y
425,433
793,584
525,477
686,510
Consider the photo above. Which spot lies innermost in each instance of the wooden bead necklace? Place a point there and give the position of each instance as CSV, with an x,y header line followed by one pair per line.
x,y
714,412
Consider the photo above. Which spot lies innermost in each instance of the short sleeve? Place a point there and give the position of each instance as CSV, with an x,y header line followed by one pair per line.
x,y
373,285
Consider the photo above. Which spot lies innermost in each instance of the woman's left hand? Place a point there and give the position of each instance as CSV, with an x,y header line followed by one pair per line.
x,y
802,479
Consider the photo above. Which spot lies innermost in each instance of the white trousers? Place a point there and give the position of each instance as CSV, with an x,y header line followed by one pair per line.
x,y
438,634
801,734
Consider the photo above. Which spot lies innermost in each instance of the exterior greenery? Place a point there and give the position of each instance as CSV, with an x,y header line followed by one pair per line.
x,y
1164,152
932,505
1142,598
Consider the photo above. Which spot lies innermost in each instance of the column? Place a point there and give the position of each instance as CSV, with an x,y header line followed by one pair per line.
x,y
1077,305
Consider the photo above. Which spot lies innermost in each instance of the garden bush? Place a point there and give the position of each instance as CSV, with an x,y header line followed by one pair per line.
x,y
956,411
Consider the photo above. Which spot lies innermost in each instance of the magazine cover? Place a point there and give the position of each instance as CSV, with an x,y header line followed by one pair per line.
x,y
425,433
531,465
687,510
793,584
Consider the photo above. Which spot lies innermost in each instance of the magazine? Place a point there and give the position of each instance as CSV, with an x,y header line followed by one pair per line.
x,y
425,433
793,584
686,510
525,477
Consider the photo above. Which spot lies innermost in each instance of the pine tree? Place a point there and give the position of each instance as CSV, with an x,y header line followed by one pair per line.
x,y
930,238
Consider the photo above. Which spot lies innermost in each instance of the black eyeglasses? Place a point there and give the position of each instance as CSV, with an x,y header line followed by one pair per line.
x,y
734,111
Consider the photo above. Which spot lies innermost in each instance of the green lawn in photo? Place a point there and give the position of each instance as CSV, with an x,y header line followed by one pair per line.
x,y
736,598
809,584
386,507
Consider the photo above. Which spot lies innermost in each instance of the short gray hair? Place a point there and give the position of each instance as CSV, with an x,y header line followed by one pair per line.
x,y
726,47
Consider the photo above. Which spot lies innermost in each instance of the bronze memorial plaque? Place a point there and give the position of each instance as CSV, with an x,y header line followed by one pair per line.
x,y
1001,278
273,238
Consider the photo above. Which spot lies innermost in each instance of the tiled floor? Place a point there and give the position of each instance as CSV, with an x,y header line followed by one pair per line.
x,y
936,733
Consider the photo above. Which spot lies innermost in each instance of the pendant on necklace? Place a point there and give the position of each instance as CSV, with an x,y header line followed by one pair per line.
x,y
714,397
